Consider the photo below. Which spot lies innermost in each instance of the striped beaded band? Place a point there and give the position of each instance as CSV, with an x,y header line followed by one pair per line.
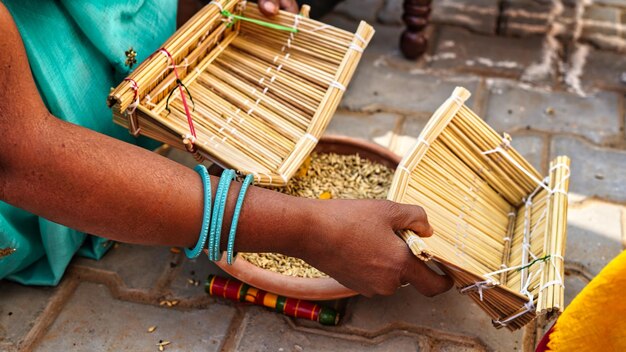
x,y
206,215
233,226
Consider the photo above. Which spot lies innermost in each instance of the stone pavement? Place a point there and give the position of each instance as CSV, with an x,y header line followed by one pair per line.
x,y
554,87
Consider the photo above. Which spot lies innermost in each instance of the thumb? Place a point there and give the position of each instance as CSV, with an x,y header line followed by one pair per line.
x,y
410,217
269,7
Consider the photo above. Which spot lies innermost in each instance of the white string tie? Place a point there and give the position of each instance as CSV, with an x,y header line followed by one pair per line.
x,y
311,137
320,28
217,4
358,36
423,141
403,168
355,47
335,84
412,240
457,100
185,64
502,150
478,287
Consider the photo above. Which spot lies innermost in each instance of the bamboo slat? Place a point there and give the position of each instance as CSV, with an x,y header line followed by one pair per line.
x,y
500,228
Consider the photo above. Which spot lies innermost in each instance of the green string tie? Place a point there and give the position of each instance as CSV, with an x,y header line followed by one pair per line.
x,y
235,18
542,259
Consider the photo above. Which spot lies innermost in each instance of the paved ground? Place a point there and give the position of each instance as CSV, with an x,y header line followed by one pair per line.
x,y
553,92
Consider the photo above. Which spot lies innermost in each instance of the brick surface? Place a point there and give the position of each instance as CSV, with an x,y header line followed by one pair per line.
x,y
363,126
460,49
601,20
594,234
196,270
603,69
595,171
573,285
266,331
21,305
365,10
478,15
375,88
93,321
513,107
138,266
524,17
391,12
450,313
533,148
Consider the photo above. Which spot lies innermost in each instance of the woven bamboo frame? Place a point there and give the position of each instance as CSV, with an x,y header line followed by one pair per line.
x,y
484,202
263,97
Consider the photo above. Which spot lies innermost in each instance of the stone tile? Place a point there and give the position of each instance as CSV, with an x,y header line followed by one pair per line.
x,y
413,125
594,233
267,331
197,270
595,171
94,321
365,10
573,285
616,3
524,17
600,20
391,12
478,15
138,266
532,148
382,47
513,107
449,313
21,305
381,88
603,69
362,125
460,49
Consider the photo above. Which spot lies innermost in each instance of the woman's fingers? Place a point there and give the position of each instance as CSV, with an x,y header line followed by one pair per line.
x,y
269,7
289,5
426,281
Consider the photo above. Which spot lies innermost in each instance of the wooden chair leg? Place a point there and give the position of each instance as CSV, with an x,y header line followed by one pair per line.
x,y
413,42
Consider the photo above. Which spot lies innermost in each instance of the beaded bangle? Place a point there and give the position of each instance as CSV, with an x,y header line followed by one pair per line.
x,y
218,214
233,224
206,215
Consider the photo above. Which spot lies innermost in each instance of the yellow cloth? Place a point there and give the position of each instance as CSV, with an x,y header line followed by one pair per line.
x,y
596,318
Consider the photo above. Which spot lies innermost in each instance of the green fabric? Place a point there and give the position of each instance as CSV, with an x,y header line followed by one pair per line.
x,y
76,53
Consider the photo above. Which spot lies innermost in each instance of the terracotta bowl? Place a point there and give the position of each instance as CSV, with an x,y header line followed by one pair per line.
x,y
307,288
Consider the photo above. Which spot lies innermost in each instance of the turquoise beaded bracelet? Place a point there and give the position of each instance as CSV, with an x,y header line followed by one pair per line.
x,y
218,214
233,226
206,215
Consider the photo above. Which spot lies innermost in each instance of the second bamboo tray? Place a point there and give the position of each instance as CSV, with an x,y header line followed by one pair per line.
x,y
500,226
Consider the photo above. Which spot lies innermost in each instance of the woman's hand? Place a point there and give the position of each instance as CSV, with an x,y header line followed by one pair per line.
x,y
270,7
354,241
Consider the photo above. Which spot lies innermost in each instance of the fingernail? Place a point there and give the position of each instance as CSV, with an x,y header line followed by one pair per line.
x,y
269,7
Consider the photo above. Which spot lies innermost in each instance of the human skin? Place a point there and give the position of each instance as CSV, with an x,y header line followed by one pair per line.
x,y
102,186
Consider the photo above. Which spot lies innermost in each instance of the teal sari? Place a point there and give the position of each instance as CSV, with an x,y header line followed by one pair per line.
x,y
76,50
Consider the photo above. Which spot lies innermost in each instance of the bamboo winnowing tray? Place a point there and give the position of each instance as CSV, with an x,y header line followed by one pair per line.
x,y
500,227
259,97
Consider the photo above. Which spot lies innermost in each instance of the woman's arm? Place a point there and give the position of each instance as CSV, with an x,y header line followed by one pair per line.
x,y
99,185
